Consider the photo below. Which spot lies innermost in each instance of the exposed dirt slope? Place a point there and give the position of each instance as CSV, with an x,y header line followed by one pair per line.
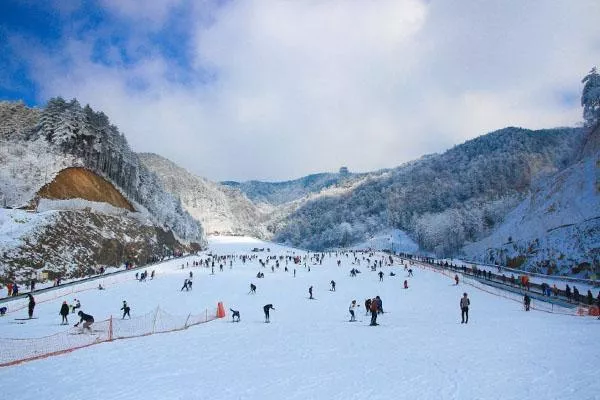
x,y
72,183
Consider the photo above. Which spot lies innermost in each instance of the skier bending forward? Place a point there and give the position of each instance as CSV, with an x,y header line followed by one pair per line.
x,y
87,320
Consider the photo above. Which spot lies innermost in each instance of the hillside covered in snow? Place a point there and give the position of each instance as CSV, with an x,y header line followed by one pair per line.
x,y
556,228
514,196
222,210
67,163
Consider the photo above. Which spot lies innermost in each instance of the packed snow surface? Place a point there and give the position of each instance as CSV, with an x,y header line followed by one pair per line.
x,y
420,350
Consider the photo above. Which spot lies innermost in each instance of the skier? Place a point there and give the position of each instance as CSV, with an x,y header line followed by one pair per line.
x,y
310,293
410,272
332,285
152,275
252,288
456,279
405,284
266,309
75,306
380,276
353,305
294,272
64,312
464,308
126,310
191,274
87,320
373,309
379,305
526,302
31,305
185,285
367,306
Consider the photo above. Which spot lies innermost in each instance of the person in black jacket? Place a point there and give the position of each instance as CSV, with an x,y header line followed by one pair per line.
x,y
126,310
526,302
64,311
31,305
87,320
266,309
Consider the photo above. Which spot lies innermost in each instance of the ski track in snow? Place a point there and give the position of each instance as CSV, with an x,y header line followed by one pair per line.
x,y
309,350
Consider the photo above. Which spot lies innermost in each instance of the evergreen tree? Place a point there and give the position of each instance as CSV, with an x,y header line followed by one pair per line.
x,y
590,98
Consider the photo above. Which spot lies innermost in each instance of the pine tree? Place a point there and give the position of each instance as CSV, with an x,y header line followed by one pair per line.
x,y
590,98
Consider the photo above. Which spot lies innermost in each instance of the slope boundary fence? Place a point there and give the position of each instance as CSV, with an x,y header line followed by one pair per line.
x,y
514,294
16,351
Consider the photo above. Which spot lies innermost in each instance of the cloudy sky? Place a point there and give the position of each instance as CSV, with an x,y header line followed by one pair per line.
x,y
274,90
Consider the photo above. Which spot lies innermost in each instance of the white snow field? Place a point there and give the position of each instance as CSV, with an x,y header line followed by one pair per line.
x,y
420,350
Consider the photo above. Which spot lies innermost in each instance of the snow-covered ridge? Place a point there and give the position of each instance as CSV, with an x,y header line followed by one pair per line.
x,y
220,209
556,229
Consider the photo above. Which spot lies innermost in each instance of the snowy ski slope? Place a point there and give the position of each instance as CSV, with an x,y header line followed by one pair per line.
x,y
310,350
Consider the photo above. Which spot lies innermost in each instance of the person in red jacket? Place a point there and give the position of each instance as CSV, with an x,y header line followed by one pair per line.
x,y
373,308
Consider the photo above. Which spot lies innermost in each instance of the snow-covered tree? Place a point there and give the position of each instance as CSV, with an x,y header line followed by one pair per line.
x,y
590,98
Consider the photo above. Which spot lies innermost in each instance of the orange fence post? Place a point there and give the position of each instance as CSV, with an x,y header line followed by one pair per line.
x,y
220,310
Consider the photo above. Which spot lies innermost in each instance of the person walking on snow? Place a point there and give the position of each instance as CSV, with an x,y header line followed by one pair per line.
x,y
380,276
31,305
310,296
351,309
64,312
266,309
526,302
456,279
464,308
367,306
332,285
373,308
126,310
379,305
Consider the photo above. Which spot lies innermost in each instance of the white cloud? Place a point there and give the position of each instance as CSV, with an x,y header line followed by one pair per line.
x,y
308,86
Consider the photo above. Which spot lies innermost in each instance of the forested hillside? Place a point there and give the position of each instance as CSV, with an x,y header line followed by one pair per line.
x,y
36,144
440,200
278,193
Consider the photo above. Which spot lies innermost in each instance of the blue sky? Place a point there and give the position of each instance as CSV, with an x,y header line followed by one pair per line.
x,y
279,89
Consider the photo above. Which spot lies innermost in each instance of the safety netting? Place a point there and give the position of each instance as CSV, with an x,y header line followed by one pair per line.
x,y
15,351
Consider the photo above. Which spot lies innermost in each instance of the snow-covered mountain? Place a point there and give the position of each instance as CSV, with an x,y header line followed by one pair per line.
x,y
85,199
222,210
556,229
278,193
540,188
440,200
